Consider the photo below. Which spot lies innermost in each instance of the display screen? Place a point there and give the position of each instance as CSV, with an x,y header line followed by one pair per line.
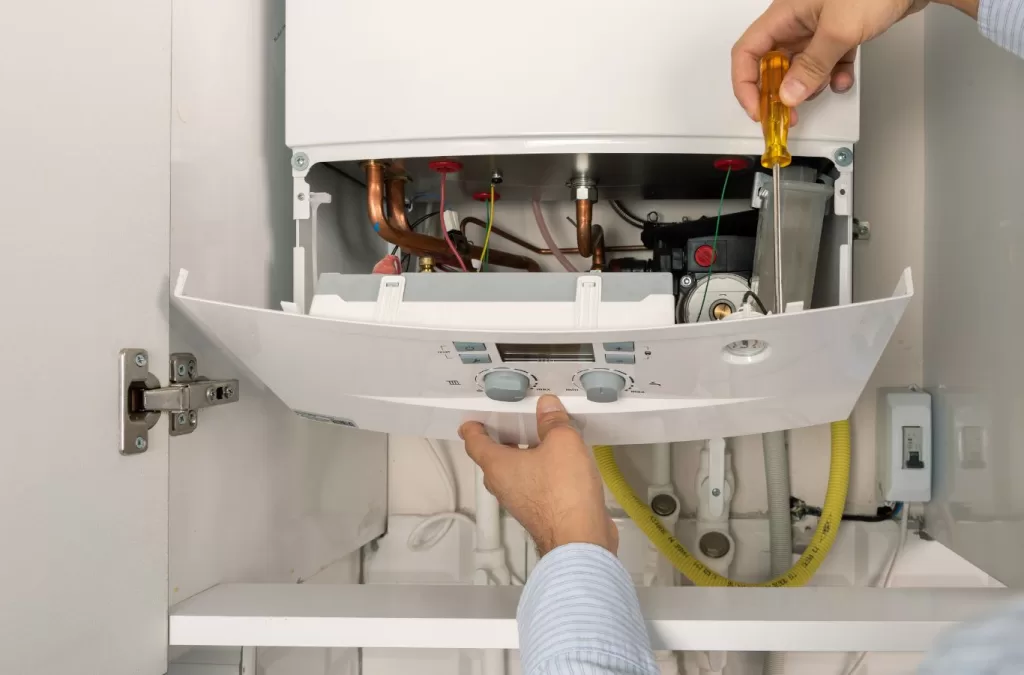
x,y
578,353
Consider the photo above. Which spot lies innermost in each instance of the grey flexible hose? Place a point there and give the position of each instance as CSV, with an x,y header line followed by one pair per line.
x,y
780,530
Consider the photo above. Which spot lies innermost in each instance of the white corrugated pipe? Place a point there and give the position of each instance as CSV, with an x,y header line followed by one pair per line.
x,y
780,529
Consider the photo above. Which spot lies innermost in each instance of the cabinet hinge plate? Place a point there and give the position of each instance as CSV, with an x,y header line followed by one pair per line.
x,y
143,399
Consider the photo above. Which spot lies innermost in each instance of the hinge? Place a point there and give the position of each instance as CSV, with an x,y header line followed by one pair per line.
x,y
143,399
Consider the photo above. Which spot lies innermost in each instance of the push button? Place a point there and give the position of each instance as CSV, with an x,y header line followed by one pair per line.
x,y
470,359
470,346
623,359
619,347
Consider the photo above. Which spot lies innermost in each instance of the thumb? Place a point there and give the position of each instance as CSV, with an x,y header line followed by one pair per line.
x,y
551,414
811,69
480,447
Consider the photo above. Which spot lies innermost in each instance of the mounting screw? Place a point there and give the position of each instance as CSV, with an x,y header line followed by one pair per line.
x,y
843,156
301,196
211,394
193,418
229,392
192,368
861,229
686,281
664,505
141,360
182,418
497,177
300,161
140,443
182,370
763,193
716,492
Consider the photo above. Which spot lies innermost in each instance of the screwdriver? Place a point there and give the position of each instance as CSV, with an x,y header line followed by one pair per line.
x,y
775,125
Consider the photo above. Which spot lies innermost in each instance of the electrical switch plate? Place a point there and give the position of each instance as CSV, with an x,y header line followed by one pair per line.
x,y
904,430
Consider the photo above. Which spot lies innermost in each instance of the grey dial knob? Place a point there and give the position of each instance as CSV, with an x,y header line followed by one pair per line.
x,y
602,386
506,385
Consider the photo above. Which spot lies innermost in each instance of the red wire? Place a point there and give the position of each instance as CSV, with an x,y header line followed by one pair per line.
x,y
444,227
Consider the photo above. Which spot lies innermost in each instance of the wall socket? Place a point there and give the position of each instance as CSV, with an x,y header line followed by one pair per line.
x,y
904,445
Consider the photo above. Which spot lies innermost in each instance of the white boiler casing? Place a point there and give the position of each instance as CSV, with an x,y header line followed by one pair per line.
x,y
405,78
543,91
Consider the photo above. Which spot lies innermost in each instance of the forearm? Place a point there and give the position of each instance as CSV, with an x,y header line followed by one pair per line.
x,y
968,7
1001,21
579,614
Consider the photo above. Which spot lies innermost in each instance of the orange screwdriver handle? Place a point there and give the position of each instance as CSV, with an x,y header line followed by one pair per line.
x,y
774,115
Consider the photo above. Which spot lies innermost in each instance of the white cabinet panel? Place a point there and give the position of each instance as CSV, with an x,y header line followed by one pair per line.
x,y
974,252
84,210
257,493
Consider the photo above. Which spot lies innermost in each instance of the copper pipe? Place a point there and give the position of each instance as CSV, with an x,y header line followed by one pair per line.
x,y
396,201
470,220
599,249
584,221
412,241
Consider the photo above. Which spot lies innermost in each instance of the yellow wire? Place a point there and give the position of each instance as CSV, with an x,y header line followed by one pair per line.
x,y
698,572
487,238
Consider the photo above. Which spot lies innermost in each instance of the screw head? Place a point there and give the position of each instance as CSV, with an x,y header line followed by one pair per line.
x,y
229,392
714,545
140,443
301,197
716,492
300,161
182,418
193,418
182,370
141,360
192,368
843,156
497,176
763,193
211,394
664,505
686,281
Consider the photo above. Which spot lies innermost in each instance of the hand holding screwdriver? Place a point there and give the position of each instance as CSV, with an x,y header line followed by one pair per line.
x,y
775,125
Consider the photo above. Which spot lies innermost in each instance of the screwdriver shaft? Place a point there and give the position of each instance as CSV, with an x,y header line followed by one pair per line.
x,y
777,217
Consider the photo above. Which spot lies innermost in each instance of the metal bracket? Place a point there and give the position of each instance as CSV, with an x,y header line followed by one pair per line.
x,y
861,230
143,399
762,189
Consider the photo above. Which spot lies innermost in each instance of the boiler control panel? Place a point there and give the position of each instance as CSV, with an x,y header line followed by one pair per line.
x,y
512,371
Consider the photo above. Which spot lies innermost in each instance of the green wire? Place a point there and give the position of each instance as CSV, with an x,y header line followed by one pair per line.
x,y
714,244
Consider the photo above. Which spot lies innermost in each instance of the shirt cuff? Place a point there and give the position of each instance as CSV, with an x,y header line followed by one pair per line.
x,y
580,605
1002,21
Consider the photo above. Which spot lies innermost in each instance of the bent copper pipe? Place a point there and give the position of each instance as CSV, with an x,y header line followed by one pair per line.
x,y
584,220
392,230
470,220
396,202
597,262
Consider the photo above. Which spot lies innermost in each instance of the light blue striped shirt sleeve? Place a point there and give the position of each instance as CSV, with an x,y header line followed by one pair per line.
x,y
579,615
990,646
1002,21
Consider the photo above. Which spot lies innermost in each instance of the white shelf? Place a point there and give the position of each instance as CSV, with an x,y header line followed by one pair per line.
x,y
835,619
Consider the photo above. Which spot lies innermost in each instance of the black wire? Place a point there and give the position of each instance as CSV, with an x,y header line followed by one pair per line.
x,y
636,221
622,212
752,294
419,221
798,508
345,175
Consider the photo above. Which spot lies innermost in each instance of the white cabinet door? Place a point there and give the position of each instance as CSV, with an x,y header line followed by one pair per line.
x,y
84,212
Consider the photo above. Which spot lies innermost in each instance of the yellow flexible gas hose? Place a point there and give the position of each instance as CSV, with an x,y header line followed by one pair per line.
x,y
700,574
